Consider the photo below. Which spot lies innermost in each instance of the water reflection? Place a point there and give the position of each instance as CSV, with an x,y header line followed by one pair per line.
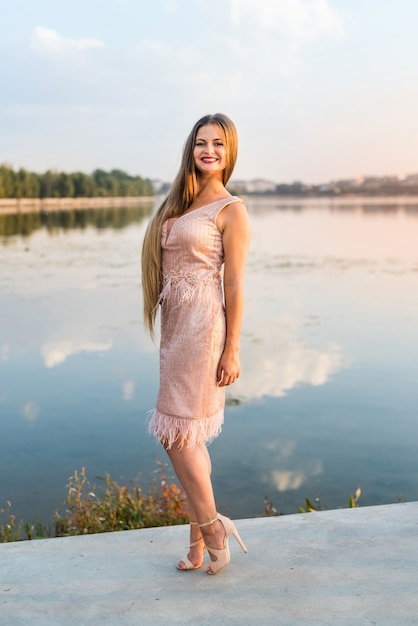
x,y
292,480
56,352
327,398
360,205
30,411
276,358
128,389
283,454
24,224
318,236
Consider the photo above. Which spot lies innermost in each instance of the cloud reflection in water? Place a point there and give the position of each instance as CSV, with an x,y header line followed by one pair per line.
x,y
128,389
284,454
276,363
56,352
30,411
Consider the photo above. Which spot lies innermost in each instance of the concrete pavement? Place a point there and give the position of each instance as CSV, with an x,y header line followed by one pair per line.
x,y
344,567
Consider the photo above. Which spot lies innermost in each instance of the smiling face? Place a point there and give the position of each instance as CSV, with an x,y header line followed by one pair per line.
x,y
209,151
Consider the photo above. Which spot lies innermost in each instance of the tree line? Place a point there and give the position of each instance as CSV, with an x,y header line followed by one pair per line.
x,y
53,184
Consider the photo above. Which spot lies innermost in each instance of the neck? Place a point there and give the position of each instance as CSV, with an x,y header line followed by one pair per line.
x,y
209,185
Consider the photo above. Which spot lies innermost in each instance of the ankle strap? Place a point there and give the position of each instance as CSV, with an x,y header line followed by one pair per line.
x,y
211,521
193,523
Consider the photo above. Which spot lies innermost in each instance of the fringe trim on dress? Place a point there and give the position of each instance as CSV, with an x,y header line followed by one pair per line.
x,y
168,429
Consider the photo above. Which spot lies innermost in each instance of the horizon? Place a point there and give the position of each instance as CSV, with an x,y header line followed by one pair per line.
x,y
158,179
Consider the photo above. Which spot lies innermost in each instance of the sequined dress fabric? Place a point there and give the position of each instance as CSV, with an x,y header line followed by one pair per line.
x,y
190,404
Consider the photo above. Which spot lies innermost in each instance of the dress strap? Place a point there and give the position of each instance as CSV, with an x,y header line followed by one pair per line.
x,y
225,202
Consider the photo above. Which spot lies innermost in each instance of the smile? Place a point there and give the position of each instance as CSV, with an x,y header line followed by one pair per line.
x,y
209,159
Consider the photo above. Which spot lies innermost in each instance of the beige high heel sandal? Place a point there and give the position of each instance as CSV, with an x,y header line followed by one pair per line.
x,y
187,562
223,555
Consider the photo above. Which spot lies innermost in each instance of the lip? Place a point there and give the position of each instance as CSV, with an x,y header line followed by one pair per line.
x,y
209,159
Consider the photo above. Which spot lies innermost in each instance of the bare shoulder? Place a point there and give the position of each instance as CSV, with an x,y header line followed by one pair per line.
x,y
233,214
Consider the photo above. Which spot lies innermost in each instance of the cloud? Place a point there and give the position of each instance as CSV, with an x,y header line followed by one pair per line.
x,y
254,41
171,7
154,47
48,41
266,39
56,352
298,21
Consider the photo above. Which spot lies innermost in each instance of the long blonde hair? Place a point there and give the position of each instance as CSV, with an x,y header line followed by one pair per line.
x,y
179,199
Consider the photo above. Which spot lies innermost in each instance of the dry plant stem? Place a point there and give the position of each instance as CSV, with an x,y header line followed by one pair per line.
x,y
119,508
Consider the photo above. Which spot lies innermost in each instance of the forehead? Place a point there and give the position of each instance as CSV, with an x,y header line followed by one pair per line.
x,y
210,131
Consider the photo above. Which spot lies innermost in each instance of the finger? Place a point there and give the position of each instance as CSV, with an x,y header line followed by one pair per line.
x,y
220,377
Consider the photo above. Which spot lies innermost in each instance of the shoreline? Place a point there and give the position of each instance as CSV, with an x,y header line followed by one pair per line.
x,y
30,205
346,199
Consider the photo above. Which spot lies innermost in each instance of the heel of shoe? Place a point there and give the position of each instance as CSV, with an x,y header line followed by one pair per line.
x,y
222,555
230,529
240,541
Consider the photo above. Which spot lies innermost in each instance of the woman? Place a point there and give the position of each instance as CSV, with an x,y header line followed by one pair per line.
x,y
198,228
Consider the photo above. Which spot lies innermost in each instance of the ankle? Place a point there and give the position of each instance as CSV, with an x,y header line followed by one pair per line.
x,y
213,531
210,522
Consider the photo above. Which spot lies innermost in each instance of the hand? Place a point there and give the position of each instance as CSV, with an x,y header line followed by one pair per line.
x,y
228,369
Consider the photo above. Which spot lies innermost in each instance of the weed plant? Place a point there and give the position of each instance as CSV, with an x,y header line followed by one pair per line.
x,y
11,530
118,507
113,507
90,509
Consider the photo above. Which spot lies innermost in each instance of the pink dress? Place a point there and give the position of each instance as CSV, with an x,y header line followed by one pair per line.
x,y
190,404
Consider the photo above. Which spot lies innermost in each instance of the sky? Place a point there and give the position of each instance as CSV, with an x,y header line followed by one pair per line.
x,y
318,89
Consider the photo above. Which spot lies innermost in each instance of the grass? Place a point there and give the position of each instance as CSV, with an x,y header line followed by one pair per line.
x,y
271,511
109,507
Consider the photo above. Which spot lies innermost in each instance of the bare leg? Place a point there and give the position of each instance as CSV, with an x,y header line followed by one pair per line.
x,y
196,552
193,469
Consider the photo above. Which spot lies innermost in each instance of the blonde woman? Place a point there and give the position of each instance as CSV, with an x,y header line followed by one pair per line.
x,y
198,229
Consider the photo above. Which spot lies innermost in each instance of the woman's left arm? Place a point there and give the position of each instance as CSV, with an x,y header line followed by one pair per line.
x,y
236,234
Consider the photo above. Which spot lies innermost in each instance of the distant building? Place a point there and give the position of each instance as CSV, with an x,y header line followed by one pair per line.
x,y
258,185
410,181
368,185
160,187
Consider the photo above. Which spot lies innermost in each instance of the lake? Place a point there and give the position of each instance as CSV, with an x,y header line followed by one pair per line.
x,y
327,401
